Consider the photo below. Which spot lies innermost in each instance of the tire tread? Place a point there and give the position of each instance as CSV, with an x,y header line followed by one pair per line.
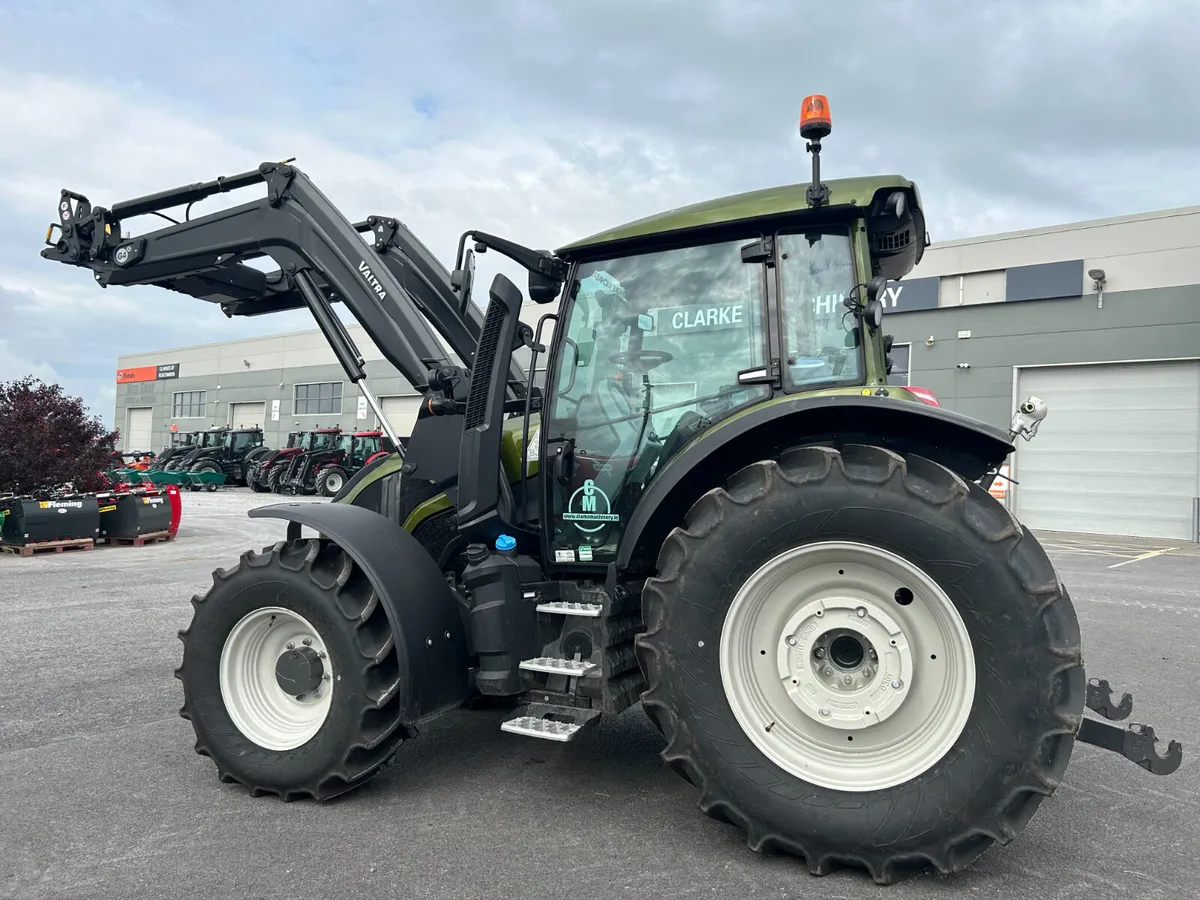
x,y
380,728
929,483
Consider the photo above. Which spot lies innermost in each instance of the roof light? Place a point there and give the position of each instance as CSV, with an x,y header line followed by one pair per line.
x,y
814,117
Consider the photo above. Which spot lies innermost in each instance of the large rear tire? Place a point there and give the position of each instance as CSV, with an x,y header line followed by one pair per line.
x,y
338,719
862,659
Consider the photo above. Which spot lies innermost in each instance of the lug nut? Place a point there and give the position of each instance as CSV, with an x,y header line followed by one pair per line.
x,y
299,696
791,640
867,673
317,692
847,679
861,612
871,653
322,654
819,653
827,671
307,642
291,645
897,683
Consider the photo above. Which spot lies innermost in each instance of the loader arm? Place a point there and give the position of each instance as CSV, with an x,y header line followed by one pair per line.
x,y
321,257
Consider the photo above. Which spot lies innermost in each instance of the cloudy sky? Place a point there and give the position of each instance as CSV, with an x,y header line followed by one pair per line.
x,y
546,120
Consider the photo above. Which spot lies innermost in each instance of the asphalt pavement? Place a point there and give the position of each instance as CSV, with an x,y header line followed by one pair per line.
x,y
101,795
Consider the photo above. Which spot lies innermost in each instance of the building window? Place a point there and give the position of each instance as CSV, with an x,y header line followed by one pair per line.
x,y
899,374
323,399
189,404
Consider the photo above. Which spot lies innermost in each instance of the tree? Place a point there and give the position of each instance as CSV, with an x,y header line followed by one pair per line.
x,y
49,440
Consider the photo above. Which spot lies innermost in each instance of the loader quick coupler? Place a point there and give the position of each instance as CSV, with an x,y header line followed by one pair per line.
x,y
1135,742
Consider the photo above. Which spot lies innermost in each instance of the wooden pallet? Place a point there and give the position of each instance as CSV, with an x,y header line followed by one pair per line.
x,y
48,546
150,537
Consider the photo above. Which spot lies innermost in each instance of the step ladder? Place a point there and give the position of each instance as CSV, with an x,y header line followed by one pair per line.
x,y
531,720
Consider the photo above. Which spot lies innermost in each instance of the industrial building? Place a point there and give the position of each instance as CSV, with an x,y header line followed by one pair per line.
x,y
1101,319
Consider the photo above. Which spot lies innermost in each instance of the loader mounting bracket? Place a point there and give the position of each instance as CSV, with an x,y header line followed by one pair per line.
x,y
1135,743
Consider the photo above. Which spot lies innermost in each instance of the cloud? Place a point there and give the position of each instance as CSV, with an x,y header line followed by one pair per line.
x,y
547,121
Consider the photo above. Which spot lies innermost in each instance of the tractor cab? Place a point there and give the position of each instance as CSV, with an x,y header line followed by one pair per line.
x,y
673,324
359,447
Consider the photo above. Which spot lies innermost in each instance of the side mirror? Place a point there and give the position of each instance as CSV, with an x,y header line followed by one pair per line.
x,y
543,288
462,279
645,323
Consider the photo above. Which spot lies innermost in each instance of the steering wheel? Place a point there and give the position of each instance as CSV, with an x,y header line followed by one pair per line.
x,y
641,360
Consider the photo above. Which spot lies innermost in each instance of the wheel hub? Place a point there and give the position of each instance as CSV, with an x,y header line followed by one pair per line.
x,y
839,657
299,671
847,665
277,678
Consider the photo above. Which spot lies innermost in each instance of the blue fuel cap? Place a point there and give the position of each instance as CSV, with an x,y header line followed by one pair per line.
x,y
506,542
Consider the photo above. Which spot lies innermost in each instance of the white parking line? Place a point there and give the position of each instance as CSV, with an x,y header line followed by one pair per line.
x,y
1143,556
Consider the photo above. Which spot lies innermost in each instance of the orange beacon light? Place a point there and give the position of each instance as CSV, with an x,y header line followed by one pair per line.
x,y
814,117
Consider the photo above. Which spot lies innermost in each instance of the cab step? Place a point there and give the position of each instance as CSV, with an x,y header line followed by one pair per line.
x,y
570,608
555,666
532,720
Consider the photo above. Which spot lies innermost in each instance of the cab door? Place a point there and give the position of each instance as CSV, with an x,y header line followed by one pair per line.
x,y
647,355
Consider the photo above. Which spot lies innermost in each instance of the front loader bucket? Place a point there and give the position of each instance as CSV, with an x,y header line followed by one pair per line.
x,y
72,518
131,515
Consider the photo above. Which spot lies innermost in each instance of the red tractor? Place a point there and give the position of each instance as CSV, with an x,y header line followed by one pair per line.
x,y
326,470
354,452
272,467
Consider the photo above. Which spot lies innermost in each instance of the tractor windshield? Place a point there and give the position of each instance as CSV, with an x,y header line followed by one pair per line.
x,y
323,440
653,346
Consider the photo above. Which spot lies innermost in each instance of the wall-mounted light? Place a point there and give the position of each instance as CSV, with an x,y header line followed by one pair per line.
x,y
1098,281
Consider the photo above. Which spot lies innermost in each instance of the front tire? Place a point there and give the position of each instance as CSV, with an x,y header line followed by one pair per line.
x,y
897,557
330,481
321,739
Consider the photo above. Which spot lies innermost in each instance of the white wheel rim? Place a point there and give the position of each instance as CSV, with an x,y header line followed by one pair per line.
x,y
333,483
902,710
262,711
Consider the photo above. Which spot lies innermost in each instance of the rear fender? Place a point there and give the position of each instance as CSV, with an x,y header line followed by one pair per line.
x,y
966,446
431,639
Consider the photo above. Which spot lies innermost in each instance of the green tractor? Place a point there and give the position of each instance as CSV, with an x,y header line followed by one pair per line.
x,y
715,505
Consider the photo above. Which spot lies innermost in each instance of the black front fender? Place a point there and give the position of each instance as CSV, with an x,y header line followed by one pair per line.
x,y
967,446
431,640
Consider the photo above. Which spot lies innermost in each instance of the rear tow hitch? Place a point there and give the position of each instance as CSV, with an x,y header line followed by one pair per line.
x,y
1134,742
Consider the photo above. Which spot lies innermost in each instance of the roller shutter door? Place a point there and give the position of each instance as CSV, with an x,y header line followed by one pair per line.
x,y
1119,452
247,414
401,412
139,425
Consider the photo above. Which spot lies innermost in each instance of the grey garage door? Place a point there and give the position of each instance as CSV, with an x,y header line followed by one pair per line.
x,y
247,414
401,412
1119,452
138,433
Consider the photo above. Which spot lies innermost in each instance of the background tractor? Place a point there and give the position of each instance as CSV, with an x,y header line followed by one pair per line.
x,y
354,451
292,472
717,506
231,452
187,443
